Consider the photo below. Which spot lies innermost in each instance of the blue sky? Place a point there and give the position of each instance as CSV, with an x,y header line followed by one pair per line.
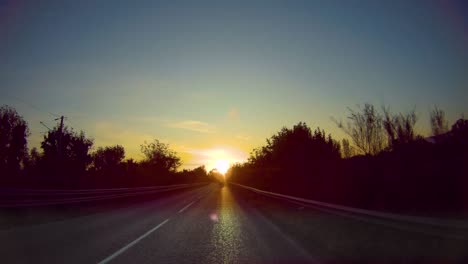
x,y
213,77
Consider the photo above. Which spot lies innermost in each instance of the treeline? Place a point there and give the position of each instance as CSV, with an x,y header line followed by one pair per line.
x,y
386,166
66,159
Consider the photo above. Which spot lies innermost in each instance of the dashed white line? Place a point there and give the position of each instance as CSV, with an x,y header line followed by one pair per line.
x,y
122,250
187,206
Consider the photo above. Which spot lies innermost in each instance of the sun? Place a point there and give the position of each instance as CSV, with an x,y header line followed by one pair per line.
x,y
222,166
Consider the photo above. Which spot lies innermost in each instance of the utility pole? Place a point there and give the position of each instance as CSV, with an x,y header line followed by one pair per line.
x,y
59,145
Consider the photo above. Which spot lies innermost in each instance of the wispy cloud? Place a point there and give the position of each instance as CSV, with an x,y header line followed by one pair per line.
x,y
193,125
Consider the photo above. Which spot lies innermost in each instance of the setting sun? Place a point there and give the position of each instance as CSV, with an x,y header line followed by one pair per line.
x,y
222,166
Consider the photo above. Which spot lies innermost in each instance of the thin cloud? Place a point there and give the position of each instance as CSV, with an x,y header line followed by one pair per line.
x,y
193,125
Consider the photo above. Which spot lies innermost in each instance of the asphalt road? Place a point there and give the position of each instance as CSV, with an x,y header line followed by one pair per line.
x,y
217,225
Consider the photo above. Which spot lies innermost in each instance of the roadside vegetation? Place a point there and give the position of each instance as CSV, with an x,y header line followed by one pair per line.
x,y
66,160
384,165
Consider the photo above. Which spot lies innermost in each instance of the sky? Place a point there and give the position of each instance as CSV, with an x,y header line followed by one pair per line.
x,y
214,79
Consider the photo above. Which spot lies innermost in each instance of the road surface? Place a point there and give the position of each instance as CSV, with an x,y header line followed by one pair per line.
x,y
217,225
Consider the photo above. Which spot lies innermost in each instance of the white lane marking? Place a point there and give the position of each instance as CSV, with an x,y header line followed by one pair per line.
x,y
187,206
122,250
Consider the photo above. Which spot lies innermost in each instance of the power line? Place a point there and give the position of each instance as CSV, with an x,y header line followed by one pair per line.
x,y
40,109
42,123
33,106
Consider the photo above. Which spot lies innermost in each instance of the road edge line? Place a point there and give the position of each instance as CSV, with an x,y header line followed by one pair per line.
x,y
129,245
185,207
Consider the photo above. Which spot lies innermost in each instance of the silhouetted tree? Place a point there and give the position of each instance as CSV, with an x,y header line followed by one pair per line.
x,y
296,147
200,172
32,160
66,150
460,131
159,155
13,140
413,175
260,156
348,150
197,174
399,127
365,129
439,124
294,158
108,157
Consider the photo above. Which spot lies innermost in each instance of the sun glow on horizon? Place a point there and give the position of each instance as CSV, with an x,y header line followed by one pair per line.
x,y
219,157
222,166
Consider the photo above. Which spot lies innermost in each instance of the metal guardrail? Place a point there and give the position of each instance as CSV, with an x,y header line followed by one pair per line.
x,y
22,191
12,197
433,226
